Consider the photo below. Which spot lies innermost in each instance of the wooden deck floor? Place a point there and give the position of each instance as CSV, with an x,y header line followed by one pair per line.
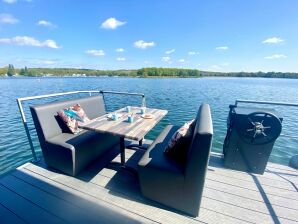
x,y
34,193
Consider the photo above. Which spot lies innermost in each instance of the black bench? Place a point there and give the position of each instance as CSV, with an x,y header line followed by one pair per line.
x,y
64,151
178,186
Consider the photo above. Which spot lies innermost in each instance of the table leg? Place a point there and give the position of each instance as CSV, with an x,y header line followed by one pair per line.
x,y
141,142
122,151
122,155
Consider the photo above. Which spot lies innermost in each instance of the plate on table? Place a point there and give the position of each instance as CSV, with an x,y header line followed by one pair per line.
x,y
147,116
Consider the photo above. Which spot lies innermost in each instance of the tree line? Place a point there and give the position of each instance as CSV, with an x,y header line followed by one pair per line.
x,y
144,72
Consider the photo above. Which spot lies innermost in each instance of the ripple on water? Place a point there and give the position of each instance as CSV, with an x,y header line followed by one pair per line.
x,y
181,97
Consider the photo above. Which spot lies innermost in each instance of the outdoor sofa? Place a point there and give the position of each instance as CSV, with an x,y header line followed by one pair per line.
x,y
172,184
62,150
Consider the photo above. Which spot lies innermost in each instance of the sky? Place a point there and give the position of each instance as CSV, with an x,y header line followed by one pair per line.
x,y
212,35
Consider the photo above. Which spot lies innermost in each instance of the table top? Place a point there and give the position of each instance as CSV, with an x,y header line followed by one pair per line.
x,y
121,127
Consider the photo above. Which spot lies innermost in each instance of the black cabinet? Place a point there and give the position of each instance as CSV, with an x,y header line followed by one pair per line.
x,y
251,134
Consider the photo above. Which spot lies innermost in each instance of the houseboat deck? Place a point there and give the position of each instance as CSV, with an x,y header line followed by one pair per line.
x,y
33,193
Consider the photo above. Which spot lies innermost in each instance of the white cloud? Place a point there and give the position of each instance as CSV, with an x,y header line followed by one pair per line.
x,y
14,1
275,56
9,1
181,60
29,41
222,48
121,59
5,41
112,23
8,18
46,24
120,50
273,40
50,44
165,59
193,53
170,51
143,45
96,52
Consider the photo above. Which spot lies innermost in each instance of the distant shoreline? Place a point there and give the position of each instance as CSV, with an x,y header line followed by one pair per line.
x,y
136,77
139,73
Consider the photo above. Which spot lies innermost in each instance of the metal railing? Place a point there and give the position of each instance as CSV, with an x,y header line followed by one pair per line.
x,y
270,103
24,120
266,102
125,93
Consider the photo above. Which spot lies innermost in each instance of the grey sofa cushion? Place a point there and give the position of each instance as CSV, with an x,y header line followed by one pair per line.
x,y
80,149
155,158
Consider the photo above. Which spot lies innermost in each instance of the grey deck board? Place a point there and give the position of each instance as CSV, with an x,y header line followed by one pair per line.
x,y
28,211
266,178
112,197
8,217
104,193
62,209
238,195
252,185
213,195
251,194
99,210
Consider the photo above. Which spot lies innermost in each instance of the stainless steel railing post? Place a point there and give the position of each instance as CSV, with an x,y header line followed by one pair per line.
x,y
35,159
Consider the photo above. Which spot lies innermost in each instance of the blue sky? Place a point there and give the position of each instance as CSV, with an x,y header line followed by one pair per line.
x,y
215,35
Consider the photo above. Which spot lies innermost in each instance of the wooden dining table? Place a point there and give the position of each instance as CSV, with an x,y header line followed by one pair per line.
x,y
121,127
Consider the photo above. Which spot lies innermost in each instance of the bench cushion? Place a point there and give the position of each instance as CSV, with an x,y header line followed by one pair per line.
x,y
80,149
155,157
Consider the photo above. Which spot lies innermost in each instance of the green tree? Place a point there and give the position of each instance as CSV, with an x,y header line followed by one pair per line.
x,y
26,70
10,70
22,72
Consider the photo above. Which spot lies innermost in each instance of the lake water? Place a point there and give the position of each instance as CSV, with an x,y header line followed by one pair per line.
x,y
181,97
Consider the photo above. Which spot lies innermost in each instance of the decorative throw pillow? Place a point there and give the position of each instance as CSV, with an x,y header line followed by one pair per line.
x,y
72,117
178,145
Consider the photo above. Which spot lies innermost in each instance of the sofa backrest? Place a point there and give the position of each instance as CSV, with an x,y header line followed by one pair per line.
x,y
47,123
198,154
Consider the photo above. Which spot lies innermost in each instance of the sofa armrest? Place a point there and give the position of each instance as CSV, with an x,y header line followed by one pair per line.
x,y
59,155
